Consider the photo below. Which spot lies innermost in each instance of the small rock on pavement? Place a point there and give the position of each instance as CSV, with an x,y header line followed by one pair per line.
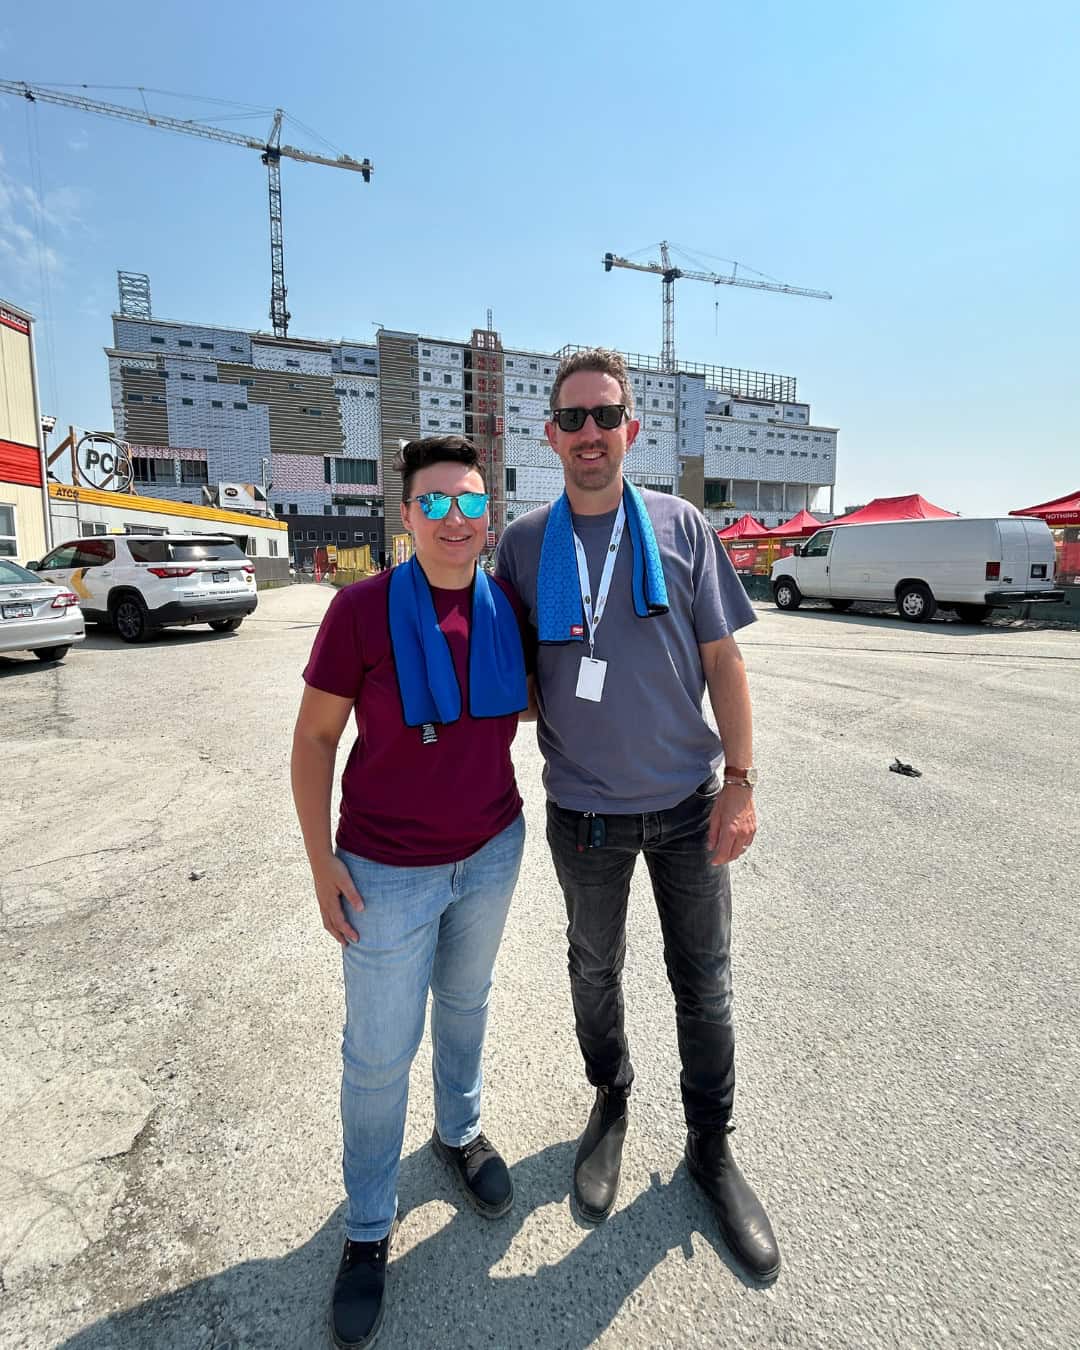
x,y
196,875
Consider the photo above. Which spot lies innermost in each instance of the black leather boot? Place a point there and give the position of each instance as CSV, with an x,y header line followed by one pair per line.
x,y
743,1220
599,1156
356,1312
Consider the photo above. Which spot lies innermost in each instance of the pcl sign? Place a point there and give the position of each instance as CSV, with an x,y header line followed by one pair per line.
x,y
104,463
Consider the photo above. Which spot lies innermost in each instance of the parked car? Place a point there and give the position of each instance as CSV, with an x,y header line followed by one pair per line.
x,y
139,583
968,566
37,616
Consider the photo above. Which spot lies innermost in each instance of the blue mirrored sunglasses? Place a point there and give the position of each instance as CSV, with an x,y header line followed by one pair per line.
x,y
436,505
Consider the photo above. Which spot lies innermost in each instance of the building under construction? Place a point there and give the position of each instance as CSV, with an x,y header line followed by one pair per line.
x,y
318,424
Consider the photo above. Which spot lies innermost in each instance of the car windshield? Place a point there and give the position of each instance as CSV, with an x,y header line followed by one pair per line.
x,y
205,550
183,550
11,574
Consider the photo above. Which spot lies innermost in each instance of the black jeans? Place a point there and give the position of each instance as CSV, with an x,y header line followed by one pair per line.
x,y
694,902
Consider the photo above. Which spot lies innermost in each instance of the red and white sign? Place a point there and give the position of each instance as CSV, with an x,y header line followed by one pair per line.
x,y
10,320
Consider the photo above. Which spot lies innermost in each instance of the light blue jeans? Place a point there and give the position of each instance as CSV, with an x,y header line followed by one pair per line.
x,y
421,928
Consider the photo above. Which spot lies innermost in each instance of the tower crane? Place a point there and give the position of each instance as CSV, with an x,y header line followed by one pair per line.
x,y
670,274
271,150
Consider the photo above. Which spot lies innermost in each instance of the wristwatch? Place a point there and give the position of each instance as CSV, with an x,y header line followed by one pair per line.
x,y
740,777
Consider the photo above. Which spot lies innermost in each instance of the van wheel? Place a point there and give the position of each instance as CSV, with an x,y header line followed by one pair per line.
x,y
130,619
841,606
916,602
786,594
225,625
52,653
973,613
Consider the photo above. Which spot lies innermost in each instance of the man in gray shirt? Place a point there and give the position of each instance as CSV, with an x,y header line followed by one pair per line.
x,y
635,603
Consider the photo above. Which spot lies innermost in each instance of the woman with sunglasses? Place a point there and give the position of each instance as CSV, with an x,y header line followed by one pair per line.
x,y
429,657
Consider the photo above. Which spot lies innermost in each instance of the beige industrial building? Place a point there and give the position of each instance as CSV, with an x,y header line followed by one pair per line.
x,y
24,531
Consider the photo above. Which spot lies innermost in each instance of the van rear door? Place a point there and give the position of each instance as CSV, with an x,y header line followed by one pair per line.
x,y
1015,556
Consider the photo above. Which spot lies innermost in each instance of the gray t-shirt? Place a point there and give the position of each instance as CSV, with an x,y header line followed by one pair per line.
x,y
646,745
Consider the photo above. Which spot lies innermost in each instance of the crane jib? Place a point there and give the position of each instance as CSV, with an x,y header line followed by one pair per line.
x,y
271,151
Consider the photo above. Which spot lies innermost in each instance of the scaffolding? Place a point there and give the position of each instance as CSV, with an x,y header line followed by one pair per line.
x,y
757,384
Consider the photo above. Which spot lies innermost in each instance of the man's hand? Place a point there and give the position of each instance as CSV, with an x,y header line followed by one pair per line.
x,y
732,824
332,881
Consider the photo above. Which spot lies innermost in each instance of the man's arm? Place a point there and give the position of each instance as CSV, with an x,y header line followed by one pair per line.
x,y
733,823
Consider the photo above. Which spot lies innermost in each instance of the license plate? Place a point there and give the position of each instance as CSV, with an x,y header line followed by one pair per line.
x,y
18,611
220,576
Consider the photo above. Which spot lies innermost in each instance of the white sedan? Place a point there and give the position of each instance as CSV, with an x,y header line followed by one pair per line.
x,y
37,616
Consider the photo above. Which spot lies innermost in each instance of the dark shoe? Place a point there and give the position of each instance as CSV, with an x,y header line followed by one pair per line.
x,y
356,1312
482,1173
743,1220
599,1156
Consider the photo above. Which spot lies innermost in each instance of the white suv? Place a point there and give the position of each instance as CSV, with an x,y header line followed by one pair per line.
x,y
138,583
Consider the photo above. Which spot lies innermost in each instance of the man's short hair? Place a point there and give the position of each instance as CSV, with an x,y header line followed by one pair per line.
x,y
598,359
430,450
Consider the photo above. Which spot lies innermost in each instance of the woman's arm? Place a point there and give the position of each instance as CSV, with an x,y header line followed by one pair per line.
x,y
321,720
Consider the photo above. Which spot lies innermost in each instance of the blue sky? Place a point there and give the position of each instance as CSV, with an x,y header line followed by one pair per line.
x,y
918,161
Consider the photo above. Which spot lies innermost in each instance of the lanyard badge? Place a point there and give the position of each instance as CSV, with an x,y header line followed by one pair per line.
x,y
591,672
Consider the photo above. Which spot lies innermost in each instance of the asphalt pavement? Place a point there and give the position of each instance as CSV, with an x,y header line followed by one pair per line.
x,y
906,959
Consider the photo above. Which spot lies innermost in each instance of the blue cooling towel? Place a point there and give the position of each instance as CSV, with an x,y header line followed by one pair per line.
x,y
426,677
558,594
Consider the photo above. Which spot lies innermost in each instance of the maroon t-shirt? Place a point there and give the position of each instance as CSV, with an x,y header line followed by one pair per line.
x,y
403,802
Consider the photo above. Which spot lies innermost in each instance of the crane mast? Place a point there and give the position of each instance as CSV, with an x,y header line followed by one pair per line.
x,y
271,150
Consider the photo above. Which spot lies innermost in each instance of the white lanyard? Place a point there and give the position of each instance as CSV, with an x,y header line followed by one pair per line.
x,y
593,615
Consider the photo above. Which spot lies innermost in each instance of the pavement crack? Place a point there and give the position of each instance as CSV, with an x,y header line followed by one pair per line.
x,y
74,857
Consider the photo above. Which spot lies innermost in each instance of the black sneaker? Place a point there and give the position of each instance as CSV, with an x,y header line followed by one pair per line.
x,y
482,1173
356,1312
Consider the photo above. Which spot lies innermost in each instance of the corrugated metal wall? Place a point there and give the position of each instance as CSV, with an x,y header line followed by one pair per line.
x,y
16,388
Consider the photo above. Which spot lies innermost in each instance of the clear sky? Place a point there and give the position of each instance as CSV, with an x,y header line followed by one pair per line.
x,y
917,160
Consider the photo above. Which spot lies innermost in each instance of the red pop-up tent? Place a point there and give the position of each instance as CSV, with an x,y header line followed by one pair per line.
x,y
1061,511
912,507
801,526
746,527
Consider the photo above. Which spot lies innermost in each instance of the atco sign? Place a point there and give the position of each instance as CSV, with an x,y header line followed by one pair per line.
x,y
102,462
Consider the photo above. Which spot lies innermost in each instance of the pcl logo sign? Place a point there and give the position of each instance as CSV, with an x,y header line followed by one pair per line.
x,y
104,463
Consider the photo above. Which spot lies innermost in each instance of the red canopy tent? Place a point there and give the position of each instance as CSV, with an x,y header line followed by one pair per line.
x,y
912,507
746,527
1061,511
801,526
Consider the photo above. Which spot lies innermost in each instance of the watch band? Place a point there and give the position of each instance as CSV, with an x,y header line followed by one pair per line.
x,y
744,777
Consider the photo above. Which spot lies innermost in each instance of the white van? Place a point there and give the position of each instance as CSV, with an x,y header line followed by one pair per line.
x,y
969,566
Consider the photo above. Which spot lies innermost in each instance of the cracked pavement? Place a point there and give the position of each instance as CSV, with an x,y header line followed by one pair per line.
x,y
906,1001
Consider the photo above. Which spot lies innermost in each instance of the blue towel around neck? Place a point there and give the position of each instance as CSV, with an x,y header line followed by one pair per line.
x,y
427,680
558,592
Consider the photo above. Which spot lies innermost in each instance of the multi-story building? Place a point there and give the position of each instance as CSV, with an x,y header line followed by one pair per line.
x,y
318,425
24,530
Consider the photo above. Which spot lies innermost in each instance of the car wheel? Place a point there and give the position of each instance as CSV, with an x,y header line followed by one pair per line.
x,y
916,602
130,619
225,625
972,613
52,653
786,594
841,606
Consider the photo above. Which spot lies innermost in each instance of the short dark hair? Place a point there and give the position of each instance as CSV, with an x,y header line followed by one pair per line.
x,y
604,362
430,450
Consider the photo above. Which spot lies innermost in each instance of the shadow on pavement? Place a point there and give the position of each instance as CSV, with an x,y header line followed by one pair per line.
x,y
444,1291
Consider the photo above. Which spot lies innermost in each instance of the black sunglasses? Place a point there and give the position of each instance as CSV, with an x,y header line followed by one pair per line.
x,y
607,416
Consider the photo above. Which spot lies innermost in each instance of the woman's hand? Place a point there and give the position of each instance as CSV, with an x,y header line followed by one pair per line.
x,y
332,881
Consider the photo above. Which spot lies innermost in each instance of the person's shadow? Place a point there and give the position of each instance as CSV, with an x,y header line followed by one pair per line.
x,y
441,1292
